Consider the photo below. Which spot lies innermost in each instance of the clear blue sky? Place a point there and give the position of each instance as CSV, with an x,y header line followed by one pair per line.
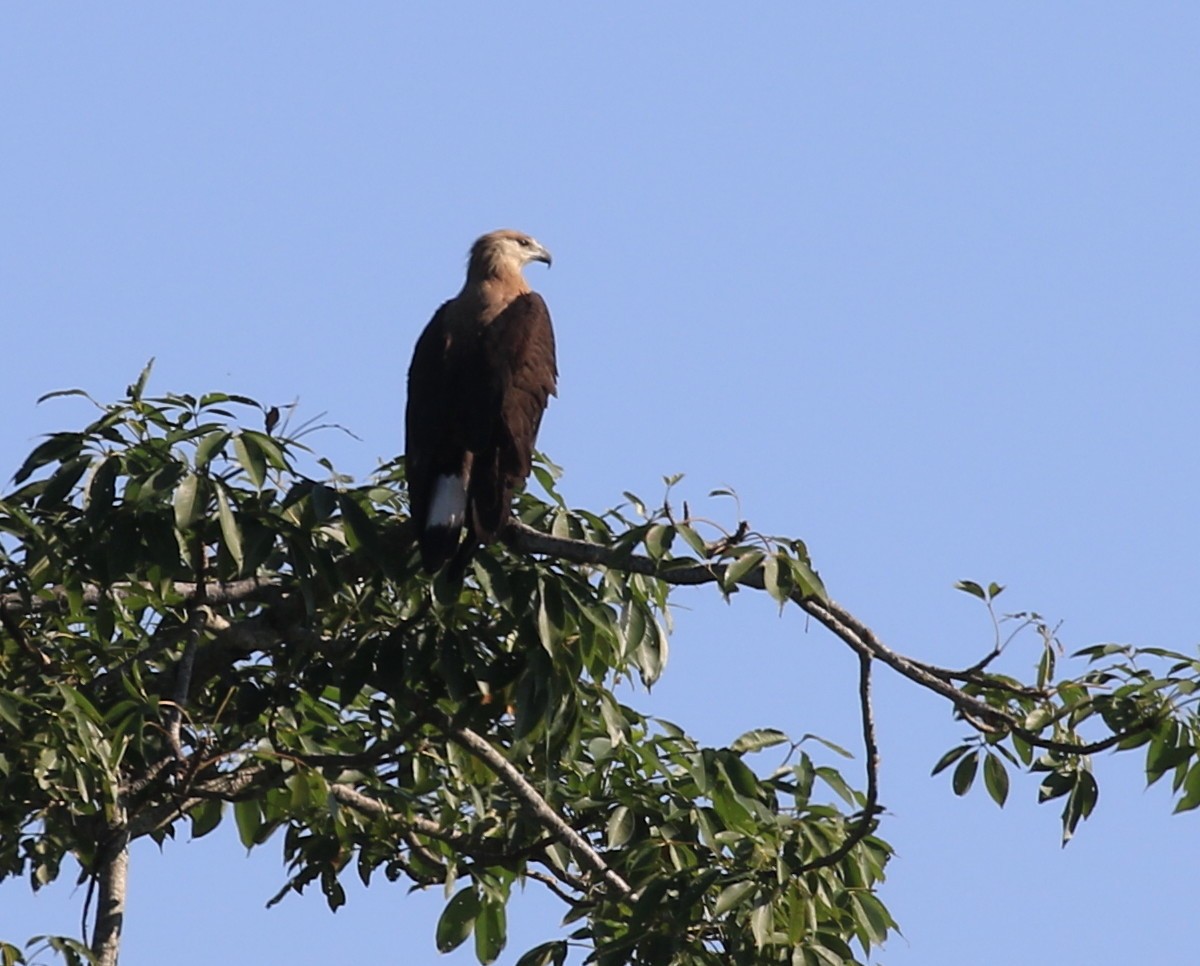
x,y
918,280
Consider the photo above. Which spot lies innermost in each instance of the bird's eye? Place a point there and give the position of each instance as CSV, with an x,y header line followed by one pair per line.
x,y
524,242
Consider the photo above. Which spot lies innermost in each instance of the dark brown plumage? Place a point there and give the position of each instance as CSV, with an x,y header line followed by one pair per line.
x,y
481,375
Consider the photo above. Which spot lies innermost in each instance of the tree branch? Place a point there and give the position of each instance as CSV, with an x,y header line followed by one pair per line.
x,y
871,749
197,620
464,844
836,619
579,847
259,589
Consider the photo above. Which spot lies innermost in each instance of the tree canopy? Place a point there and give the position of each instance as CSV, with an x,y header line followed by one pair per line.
x,y
204,621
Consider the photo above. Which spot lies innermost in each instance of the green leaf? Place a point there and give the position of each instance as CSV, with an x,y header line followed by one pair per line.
x,y
252,458
1080,803
1045,672
732,896
995,779
8,712
60,447
550,618
58,393
743,780
874,916
651,654
964,774
102,487
230,532
248,816
972,588
777,577
757,739
457,920
738,568
760,925
633,626
491,931
205,817
1168,750
693,540
1055,785
324,501
807,580
833,778
360,529
730,811
189,502
949,758
546,954
135,391
268,446
621,826
60,485
492,578
658,540
1191,790
209,446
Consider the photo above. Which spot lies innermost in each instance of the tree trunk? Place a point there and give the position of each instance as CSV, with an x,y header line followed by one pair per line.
x,y
110,912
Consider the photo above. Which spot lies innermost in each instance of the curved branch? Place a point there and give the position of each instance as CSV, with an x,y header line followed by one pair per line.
x,y
871,808
836,619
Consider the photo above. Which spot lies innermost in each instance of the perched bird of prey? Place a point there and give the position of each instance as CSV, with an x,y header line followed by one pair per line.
x,y
481,375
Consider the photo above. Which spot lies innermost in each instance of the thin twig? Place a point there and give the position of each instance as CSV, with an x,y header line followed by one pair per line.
x,y
552,885
866,824
183,683
423,852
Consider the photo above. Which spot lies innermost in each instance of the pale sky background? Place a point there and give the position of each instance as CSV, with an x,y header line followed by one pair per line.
x,y
918,280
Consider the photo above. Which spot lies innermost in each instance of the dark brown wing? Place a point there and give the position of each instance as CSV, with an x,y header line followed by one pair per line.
x,y
430,448
519,358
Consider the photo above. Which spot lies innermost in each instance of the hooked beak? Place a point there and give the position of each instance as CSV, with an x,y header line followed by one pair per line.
x,y
542,255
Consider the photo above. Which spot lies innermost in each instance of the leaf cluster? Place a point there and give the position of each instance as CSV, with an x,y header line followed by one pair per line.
x,y
1126,698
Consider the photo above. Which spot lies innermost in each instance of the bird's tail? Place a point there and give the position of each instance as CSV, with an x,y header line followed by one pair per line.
x,y
443,528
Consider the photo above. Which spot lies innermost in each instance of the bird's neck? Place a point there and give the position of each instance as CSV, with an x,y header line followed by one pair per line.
x,y
490,294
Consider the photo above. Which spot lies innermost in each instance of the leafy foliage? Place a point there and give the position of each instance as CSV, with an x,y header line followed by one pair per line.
x,y
195,628
1135,697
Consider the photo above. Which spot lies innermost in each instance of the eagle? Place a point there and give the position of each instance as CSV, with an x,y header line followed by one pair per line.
x,y
481,375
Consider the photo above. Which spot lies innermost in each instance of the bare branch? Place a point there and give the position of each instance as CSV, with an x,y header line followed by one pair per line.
x,y
552,885
228,787
866,823
260,589
579,847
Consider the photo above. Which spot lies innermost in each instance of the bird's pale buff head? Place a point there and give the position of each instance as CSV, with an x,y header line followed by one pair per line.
x,y
504,252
